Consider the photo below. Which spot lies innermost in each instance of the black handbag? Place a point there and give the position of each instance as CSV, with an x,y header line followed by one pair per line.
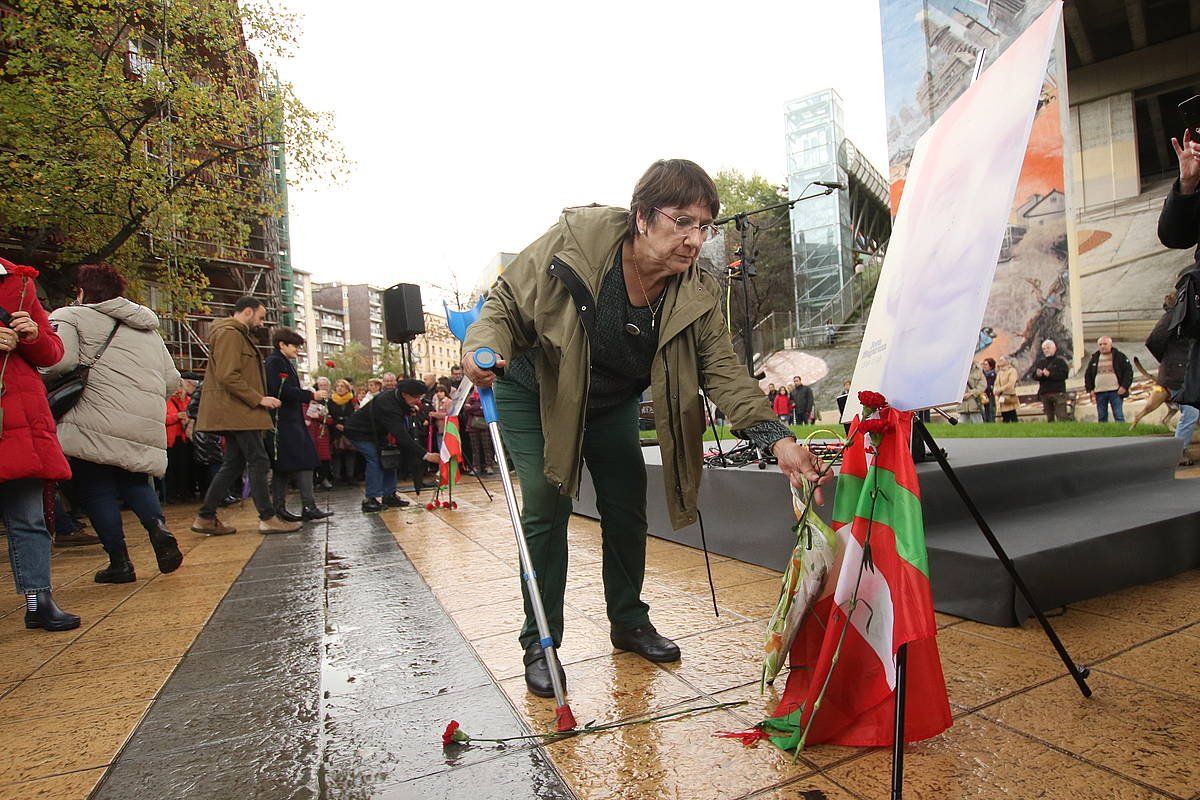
x,y
64,391
389,457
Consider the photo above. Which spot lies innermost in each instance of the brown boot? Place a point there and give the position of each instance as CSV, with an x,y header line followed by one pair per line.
x,y
277,525
211,526
76,539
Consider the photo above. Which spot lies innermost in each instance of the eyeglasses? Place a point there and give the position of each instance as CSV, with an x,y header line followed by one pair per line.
x,y
685,225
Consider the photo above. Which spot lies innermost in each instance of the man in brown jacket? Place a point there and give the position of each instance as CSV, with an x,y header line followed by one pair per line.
x,y
235,404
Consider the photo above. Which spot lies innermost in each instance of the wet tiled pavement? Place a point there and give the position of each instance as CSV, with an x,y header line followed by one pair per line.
x,y
326,663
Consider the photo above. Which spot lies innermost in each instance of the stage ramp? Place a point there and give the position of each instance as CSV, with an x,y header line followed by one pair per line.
x,y
1079,517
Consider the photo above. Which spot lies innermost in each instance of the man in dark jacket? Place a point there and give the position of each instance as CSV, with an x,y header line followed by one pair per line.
x,y
1050,371
802,402
369,429
1107,379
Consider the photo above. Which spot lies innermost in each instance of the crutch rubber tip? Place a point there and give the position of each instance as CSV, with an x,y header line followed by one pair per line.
x,y
564,718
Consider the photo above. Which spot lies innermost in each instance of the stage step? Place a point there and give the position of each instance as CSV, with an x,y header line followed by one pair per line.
x,y
1065,551
1080,517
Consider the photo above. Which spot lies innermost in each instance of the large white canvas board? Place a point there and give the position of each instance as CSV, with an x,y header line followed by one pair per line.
x,y
924,322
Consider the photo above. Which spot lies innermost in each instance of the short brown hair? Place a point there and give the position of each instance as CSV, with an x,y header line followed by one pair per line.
x,y
99,282
286,336
674,182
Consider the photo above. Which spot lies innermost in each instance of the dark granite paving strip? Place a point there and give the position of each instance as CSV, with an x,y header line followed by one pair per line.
x,y
328,671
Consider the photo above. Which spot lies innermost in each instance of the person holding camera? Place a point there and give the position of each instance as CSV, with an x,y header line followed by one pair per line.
x,y
1179,228
29,451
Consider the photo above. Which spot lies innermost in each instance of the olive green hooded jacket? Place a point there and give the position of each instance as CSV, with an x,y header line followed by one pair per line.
x,y
545,300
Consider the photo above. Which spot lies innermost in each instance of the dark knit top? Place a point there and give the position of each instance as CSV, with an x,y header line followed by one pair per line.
x,y
621,360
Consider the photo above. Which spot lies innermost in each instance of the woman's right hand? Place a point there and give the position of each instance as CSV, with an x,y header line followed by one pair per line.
x,y
8,340
1188,154
433,458
482,378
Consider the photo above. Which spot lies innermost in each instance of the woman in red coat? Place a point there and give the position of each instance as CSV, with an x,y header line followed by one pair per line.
x,y
29,451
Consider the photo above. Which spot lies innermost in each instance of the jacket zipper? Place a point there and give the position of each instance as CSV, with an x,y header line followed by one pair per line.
x,y
587,379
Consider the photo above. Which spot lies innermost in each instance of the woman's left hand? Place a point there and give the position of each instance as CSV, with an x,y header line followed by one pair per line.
x,y
797,461
23,324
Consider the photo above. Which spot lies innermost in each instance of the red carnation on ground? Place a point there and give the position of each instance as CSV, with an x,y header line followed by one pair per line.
x,y
872,400
454,735
430,506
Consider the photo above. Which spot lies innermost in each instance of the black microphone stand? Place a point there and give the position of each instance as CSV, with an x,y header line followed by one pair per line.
x,y
741,221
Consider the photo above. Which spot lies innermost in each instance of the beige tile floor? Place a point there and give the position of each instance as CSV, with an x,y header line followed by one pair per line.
x,y
68,701
1021,729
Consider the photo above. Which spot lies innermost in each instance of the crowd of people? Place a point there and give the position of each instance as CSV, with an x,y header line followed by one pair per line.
x,y
98,420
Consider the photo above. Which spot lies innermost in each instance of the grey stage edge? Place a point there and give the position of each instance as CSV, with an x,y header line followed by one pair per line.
x,y
1079,517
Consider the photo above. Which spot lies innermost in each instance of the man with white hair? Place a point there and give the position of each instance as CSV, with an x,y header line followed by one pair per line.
x,y
1050,371
1107,379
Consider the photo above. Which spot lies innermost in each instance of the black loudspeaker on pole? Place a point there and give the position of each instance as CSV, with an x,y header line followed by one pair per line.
x,y
403,313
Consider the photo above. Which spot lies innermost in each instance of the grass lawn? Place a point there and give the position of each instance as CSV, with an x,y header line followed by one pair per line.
x,y
942,430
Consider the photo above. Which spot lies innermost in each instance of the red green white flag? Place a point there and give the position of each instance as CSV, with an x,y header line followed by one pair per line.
x,y
841,687
451,453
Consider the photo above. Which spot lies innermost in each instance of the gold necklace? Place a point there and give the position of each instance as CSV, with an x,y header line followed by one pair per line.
x,y
630,327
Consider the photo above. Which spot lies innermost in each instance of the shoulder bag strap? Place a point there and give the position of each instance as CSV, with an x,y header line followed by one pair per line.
x,y
103,347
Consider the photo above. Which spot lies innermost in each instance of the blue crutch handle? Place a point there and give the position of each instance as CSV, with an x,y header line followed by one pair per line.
x,y
485,358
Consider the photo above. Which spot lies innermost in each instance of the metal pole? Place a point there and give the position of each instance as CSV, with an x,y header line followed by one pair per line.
x,y
898,731
528,574
748,333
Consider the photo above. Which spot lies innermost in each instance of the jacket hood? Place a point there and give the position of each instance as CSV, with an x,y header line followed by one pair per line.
x,y
128,312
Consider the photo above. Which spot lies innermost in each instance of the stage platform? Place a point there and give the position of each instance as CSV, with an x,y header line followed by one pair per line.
x,y
1079,517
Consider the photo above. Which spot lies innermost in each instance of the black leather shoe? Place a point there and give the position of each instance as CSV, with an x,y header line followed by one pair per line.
x,y
288,516
647,643
48,616
394,501
313,512
371,505
537,674
166,549
116,572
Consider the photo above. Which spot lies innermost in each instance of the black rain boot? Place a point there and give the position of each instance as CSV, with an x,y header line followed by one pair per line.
x,y
166,549
47,615
119,569
314,512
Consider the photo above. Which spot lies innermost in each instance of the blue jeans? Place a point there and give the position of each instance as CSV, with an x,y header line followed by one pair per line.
x,y
1188,416
380,482
1106,399
28,539
102,487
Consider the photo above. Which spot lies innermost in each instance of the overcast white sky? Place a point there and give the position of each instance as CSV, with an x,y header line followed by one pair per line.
x,y
472,124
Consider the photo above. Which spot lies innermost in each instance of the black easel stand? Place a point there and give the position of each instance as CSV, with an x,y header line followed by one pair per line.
x,y
1079,674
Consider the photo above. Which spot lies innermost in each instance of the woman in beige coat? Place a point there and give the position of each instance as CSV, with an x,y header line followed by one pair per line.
x,y
1005,390
116,436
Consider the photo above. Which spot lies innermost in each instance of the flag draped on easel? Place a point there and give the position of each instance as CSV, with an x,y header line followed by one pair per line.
x,y
451,454
841,688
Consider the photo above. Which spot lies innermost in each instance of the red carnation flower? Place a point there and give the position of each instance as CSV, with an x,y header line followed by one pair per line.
x,y
430,506
283,375
872,400
330,364
874,426
23,271
454,735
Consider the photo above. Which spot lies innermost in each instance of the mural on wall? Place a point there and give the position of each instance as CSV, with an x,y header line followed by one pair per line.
x,y
930,48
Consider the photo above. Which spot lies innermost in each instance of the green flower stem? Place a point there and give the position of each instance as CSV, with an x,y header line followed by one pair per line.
x,y
556,735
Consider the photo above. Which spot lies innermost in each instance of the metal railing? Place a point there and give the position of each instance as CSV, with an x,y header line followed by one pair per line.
x,y
1127,324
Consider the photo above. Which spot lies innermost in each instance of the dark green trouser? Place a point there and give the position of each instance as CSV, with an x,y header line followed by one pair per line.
x,y
613,454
